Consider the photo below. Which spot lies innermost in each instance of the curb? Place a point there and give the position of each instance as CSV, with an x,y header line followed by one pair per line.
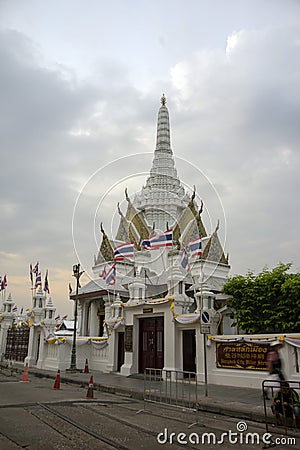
x,y
254,413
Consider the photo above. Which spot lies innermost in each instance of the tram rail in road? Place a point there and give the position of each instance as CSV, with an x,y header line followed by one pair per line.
x,y
34,416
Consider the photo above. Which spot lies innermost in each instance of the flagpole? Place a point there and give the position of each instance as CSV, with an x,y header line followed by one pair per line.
x,y
172,264
108,296
114,298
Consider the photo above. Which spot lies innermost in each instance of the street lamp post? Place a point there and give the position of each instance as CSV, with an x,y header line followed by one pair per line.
x,y
77,274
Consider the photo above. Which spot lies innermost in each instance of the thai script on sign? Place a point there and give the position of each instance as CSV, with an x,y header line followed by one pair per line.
x,y
241,355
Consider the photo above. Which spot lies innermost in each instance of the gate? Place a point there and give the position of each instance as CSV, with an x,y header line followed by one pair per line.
x,y
17,344
282,406
177,388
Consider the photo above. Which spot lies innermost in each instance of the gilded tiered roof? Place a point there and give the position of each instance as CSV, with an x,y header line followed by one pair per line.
x,y
213,250
189,223
137,219
125,231
106,252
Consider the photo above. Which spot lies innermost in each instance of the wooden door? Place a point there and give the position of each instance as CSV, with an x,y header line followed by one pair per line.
x,y
189,350
151,343
121,351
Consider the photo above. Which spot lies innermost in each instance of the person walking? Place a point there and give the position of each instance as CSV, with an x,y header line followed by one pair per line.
x,y
274,363
274,366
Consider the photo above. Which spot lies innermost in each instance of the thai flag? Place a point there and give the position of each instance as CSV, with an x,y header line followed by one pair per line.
x,y
145,244
46,287
195,247
64,317
57,318
38,280
103,273
184,260
124,251
31,274
159,241
36,269
4,283
15,309
111,276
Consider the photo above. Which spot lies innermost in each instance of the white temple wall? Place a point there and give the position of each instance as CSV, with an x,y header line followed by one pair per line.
x,y
33,346
249,378
111,354
42,352
155,261
58,356
171,342
214,274
131,359
94,323
54,356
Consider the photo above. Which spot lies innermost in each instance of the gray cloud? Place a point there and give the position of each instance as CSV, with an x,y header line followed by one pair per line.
x,y
233,115
245,116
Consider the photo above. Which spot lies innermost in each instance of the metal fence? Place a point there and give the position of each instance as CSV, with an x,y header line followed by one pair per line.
x,y
171,387
282,406
17,344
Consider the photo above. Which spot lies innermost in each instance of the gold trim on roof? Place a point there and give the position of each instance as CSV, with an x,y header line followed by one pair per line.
x,y
213,250
137,219
106,252
189,217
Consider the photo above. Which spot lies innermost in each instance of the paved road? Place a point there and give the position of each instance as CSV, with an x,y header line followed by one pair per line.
x,y
34,416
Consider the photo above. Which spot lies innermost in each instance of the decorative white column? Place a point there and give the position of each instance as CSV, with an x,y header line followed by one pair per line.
x,y
7,318
176,289
94,323
47,329
137,289
35,335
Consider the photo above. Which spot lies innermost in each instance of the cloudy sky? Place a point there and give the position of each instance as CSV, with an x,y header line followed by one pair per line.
x,y
80,88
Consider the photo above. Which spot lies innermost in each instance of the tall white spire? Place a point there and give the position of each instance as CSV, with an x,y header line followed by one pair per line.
x,y
162,199
163,143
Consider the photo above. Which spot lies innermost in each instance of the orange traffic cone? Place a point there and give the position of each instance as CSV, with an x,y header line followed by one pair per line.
x,y
90,391
86,367
57,381
25,374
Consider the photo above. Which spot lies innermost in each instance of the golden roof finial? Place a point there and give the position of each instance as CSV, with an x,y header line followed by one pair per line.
x,y
126,195
163,100
201,208
119,209
218,226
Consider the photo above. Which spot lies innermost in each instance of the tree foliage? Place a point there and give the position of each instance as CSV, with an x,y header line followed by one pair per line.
x,y
267,302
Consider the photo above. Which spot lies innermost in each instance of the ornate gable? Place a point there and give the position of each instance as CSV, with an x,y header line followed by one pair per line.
x,y
213,250
137,220
189,223
106,252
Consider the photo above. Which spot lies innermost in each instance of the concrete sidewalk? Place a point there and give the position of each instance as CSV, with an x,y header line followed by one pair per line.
x,y
243,403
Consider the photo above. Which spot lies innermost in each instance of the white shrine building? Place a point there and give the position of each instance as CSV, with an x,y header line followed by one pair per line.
x,y
150,317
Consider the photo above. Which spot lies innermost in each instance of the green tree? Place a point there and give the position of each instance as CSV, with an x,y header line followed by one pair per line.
x,y
267,302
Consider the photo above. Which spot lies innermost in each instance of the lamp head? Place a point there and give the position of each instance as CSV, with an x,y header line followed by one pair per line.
x,y
76,269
